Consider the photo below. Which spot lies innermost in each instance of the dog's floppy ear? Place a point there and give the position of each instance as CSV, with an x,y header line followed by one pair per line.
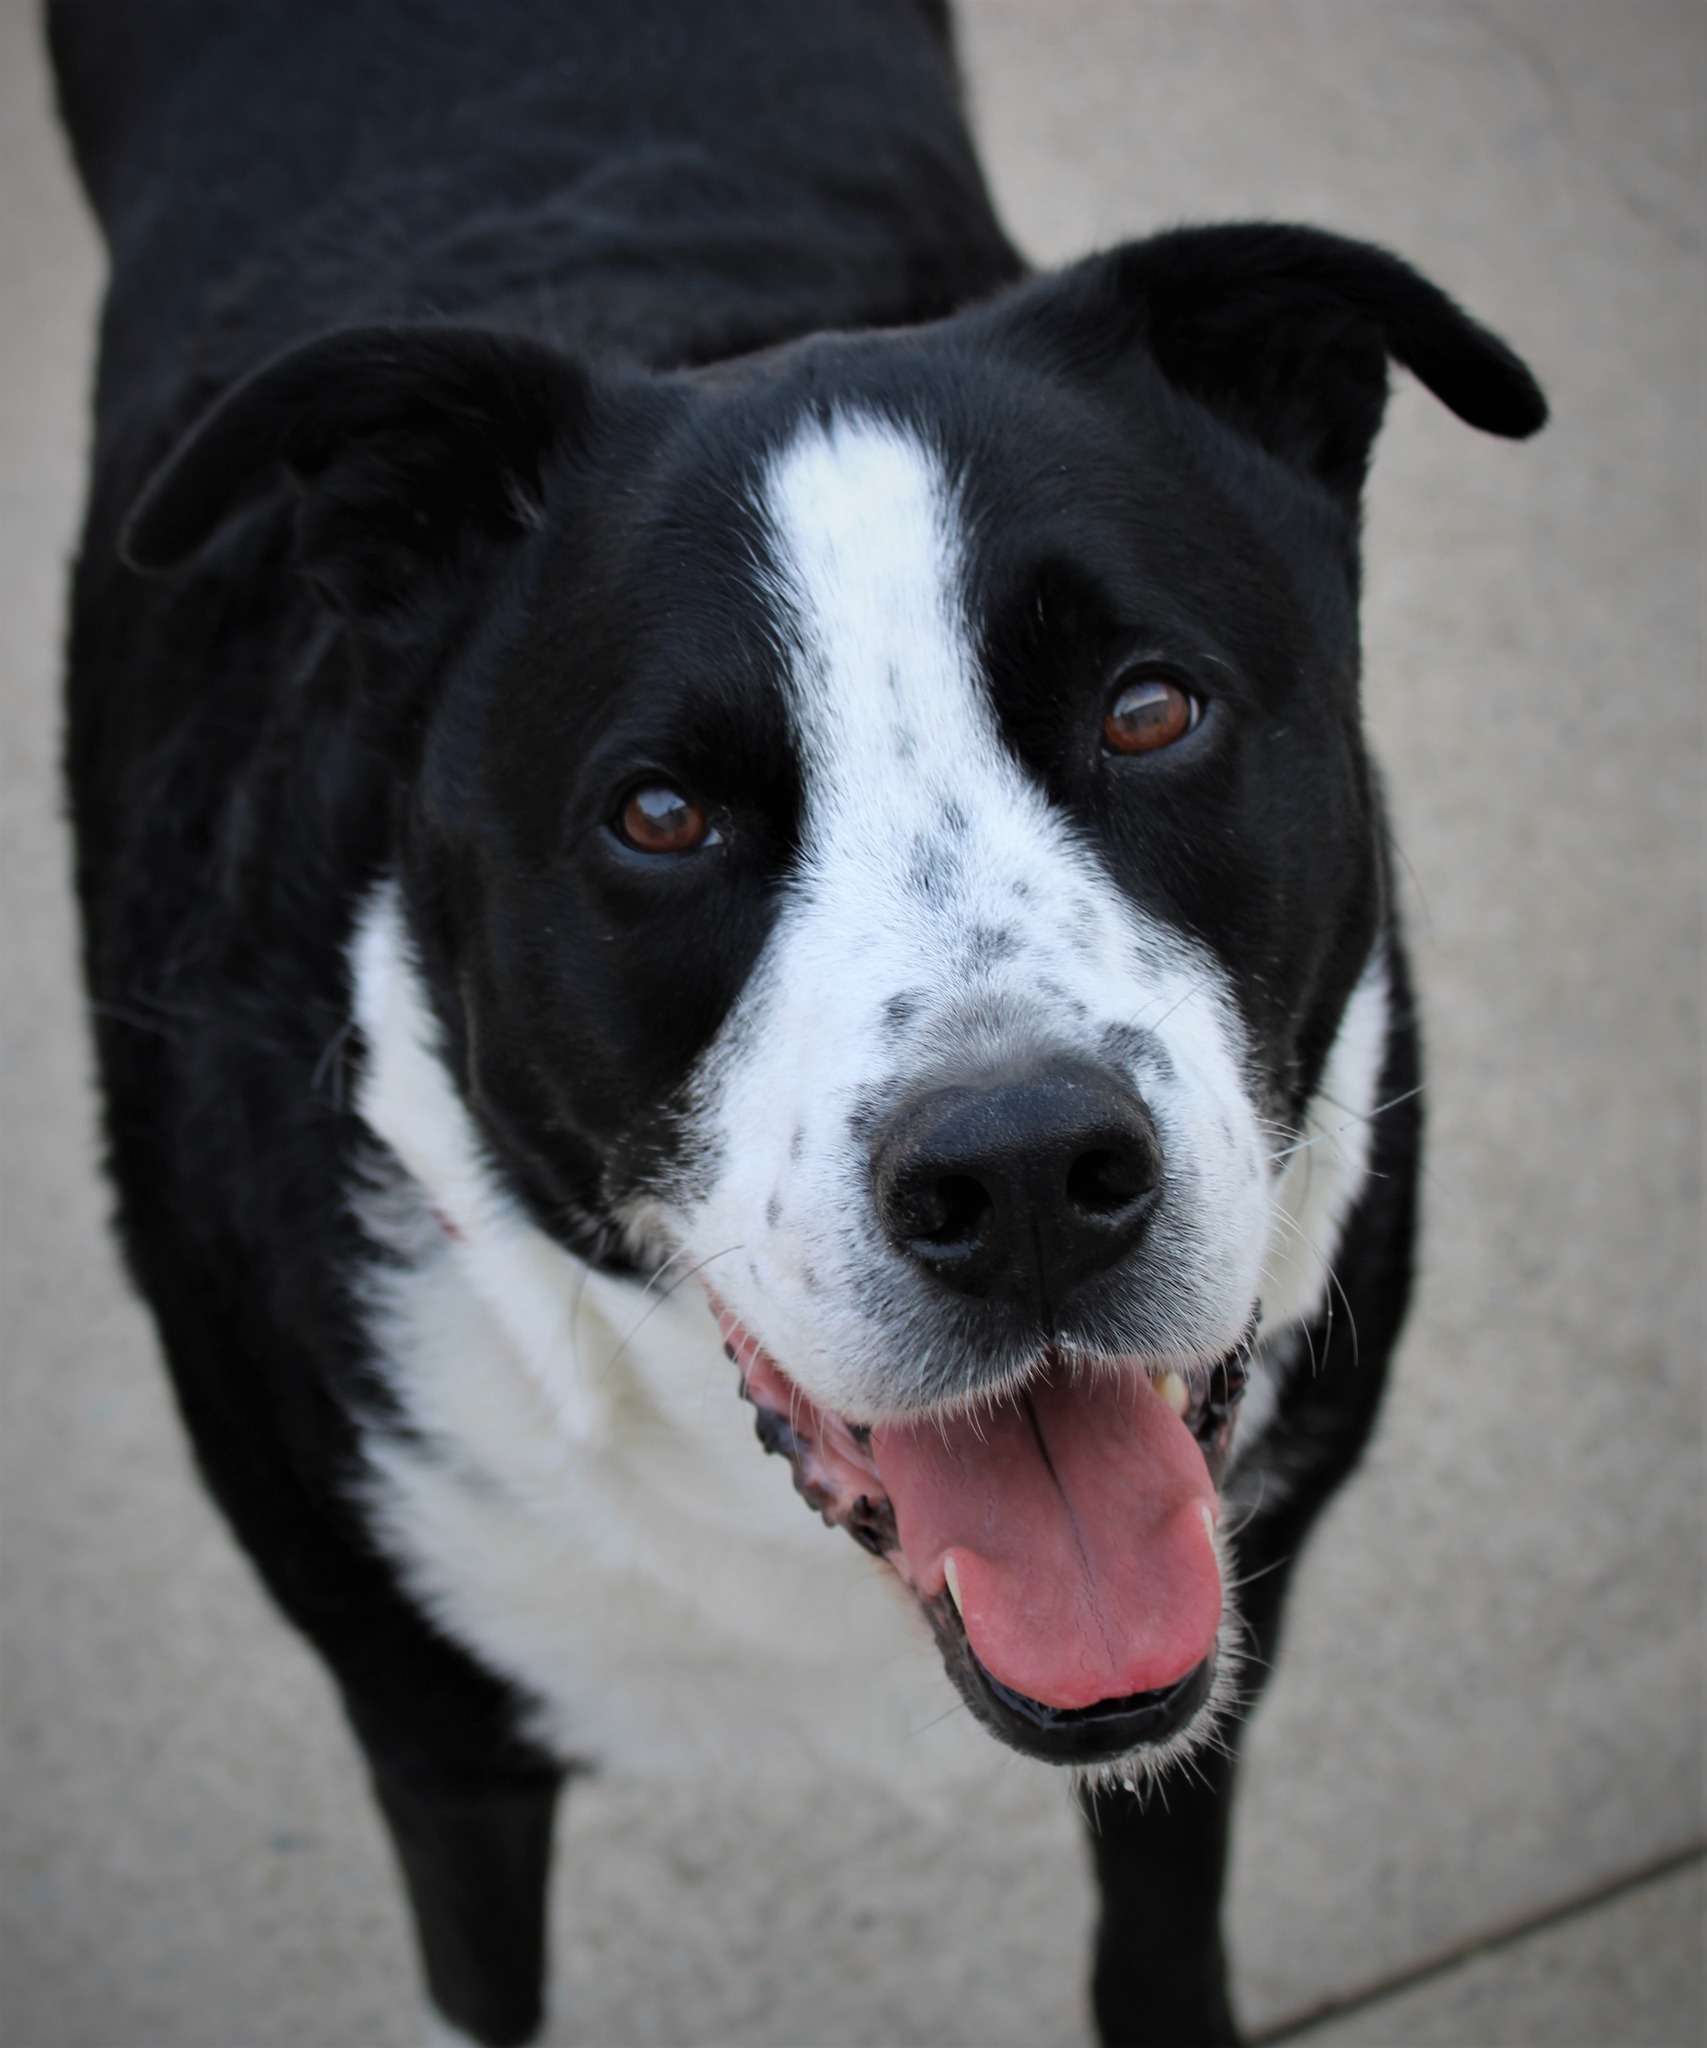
x,y
1286,332
403,442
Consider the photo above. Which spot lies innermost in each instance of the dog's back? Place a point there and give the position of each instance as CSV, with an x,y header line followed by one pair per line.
x,y
669,183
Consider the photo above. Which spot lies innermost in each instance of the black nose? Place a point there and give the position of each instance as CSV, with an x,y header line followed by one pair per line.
x,y
1017,1185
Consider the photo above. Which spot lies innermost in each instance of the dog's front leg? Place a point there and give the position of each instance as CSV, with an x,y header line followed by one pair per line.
x,y
1159,1978
476,1855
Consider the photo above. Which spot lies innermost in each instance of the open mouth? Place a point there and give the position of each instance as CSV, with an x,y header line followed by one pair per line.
x,y
1061,1540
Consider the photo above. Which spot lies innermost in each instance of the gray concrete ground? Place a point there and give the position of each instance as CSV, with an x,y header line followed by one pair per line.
x,y
1490,1715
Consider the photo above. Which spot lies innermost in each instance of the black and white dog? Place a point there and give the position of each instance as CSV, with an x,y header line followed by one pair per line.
x,y
736,811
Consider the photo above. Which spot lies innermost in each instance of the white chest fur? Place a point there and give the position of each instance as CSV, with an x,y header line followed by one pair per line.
x,y
661,1595
578,1496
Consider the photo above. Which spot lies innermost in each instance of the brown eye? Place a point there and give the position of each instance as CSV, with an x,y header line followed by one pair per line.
x,y
1149,713
659,819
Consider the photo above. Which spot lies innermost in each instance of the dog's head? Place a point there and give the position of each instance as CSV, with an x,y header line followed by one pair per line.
x,y
888,833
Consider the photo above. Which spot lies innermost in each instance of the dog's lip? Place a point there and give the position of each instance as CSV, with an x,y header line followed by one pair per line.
x,y
1205,1393
833,1469
1068,1736
1085,1736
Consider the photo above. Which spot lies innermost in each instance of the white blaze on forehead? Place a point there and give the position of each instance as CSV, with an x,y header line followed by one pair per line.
x,y
867,556
921,829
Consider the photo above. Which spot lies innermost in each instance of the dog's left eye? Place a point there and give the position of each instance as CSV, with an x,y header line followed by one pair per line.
x,y
657,818
1151,710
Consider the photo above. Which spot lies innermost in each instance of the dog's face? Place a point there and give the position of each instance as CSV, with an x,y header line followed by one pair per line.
x,y
892,845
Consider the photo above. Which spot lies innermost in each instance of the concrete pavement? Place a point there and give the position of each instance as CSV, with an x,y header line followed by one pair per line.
x,y
1490,1712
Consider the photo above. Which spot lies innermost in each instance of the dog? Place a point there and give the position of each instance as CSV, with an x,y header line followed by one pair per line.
x,y
712,819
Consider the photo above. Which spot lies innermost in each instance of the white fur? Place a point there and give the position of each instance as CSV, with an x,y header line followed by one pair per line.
x,y
1324,1169
515,1268
578,1495
1321,1174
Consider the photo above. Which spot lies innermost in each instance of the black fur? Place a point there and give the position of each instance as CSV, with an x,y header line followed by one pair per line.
x,y
496,311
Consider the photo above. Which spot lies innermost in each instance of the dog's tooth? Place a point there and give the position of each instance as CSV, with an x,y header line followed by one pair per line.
x,y
953,1578
1173,1390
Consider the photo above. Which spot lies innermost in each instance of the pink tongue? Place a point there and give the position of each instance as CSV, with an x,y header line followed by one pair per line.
x,y
1076,1522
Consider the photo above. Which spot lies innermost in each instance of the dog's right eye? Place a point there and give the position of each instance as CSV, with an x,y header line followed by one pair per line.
x,y
1152,710
657,818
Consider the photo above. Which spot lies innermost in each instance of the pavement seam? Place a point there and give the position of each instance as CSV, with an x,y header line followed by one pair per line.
x,y
1296,2026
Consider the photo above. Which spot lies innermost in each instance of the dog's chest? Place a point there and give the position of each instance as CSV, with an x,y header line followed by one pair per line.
x,y
571,1486
651,1584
